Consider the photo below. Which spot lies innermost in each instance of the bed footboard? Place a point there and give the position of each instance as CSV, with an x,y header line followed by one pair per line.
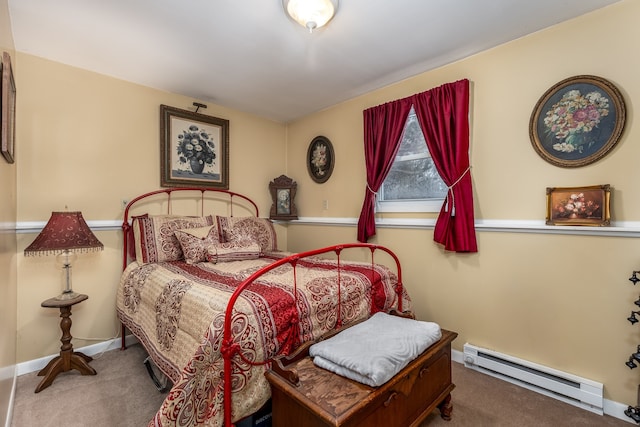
x,y
230,349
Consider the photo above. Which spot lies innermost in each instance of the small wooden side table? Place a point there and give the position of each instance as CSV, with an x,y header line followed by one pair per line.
x,y
68,359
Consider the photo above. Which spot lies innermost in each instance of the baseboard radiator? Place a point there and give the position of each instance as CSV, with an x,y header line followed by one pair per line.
x,y
566,387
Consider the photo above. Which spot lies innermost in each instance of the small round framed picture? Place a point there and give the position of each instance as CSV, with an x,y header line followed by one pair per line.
x,y
577,121
320,159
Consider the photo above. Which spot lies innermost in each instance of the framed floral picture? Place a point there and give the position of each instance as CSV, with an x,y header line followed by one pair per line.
x,y
320,159
577,121
579,205
8,98
194,149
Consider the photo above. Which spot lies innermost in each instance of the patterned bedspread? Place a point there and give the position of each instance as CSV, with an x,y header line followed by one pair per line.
x,y
177,310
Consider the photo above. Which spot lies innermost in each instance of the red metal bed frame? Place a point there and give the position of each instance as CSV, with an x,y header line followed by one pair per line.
x,y
229,349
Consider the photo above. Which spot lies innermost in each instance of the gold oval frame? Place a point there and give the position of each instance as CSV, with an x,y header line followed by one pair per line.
x,y
554,149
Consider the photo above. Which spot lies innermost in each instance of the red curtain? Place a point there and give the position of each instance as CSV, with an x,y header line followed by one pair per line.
x,y
383,127
443,114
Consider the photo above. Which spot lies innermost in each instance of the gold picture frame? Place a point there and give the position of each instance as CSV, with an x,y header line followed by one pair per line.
x,y
194,149
579,205
8,121
578,121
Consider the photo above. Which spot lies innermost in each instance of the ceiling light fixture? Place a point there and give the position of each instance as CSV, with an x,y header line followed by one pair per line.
x,y
311,14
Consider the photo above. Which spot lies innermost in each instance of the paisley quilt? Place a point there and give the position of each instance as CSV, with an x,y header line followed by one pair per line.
x,y
176,310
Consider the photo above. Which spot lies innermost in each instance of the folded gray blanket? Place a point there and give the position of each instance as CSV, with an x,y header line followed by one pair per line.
x,y
373,351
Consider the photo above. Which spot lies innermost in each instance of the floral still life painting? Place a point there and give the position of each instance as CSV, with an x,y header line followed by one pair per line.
x,y
579,205
320,159
194,149
578,121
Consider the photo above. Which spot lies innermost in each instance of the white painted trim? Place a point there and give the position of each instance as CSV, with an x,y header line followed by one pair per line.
x,y
90,350
457,356
616,410
321,220
617,229
399,206
37,226
12,398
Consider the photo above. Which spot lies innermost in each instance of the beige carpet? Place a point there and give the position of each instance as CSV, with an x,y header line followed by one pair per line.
x,y
480,400
123,395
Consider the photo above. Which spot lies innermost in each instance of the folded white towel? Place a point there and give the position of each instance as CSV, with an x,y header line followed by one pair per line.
x,y
373,351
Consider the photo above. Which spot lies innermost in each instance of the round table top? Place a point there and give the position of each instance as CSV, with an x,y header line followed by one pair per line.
x,y
60,301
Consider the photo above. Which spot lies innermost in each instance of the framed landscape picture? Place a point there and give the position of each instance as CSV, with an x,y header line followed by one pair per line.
x,y
194,149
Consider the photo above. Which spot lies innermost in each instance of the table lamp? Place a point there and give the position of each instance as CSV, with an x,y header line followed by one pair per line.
x,y
65,234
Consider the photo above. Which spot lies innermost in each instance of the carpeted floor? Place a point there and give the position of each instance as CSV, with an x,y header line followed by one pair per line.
x,y
122,395
480,400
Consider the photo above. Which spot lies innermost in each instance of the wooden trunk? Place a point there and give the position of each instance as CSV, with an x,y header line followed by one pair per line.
x,y
305,395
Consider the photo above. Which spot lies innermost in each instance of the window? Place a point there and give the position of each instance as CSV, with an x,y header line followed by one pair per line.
x,y
413,183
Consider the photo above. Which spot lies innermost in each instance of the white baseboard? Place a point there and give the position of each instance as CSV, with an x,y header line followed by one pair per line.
x,y
12,399
457,356
611,408
90,350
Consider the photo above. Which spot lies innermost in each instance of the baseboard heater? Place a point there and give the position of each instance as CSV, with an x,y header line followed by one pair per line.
x,y
563,386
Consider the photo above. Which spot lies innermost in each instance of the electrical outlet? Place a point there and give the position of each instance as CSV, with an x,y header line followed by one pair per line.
x,y
325,205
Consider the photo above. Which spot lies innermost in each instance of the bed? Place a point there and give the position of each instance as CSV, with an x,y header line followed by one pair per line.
x,y
208,294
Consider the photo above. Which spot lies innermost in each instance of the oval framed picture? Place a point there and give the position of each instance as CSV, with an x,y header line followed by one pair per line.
x,y
577,121
320,159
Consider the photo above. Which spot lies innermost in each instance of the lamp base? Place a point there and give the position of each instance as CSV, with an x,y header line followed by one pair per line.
x,y
67,295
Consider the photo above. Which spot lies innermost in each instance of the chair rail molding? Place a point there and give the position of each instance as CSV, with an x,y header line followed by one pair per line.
x,y
616,229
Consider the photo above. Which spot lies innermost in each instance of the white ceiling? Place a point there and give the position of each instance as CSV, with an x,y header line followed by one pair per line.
x,y
247,55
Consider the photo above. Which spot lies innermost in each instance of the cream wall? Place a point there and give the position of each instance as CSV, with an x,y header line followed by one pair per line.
x,y
86,142
557,300
8,281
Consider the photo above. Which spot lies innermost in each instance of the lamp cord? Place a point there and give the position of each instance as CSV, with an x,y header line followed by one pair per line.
x,y
100,354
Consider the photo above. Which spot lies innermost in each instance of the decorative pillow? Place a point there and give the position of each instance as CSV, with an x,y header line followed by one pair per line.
x,y
155,238
233,251
260,230
194,242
